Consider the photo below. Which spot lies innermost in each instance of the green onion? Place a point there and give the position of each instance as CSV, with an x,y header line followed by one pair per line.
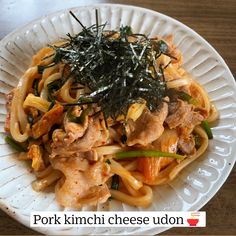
x,y
123,138
108,161
35,87
56,58
147,153
40,69
206,127
82,101
78,119
15,144
52,87
124,32
115,182
197,140
51,105
186,97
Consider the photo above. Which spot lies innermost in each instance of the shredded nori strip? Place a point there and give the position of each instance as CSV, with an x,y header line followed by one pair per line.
x,y
118,72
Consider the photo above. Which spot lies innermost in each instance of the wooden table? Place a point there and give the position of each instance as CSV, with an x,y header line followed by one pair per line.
x,y
215,20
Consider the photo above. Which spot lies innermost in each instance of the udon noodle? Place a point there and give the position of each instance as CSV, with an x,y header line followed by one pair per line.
x,y
91,158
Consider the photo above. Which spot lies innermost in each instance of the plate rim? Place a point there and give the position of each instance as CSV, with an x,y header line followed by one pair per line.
x,y
13,213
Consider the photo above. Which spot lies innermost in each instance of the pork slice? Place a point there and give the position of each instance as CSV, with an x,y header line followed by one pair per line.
x,y
83,183
147,128
191,120
186,144
62,147
73,130
178,112
90,155
184,117
105,137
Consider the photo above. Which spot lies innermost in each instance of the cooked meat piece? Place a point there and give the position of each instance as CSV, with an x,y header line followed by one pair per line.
x,y
202,111
84,183
114,134
184,116
104,137
61,146
147,128
50,118
74,130
191,120
186,144
90,155
178,112
58,137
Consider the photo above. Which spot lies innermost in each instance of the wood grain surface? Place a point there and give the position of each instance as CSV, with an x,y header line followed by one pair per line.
x,y
215,20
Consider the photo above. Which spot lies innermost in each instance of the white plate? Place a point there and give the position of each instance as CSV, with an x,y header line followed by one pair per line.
x,y
194,187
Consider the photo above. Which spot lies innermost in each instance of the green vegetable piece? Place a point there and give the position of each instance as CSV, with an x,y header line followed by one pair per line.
x,y
41,69
186,97
146,153
80,119
56,58
51,105
125,31
207,128
197,140
15,144
53,86
115,182
108,161
35,87
123,138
